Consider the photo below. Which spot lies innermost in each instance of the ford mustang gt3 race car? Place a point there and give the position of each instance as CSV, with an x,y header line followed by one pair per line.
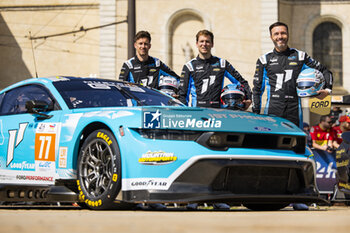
x,y
109,144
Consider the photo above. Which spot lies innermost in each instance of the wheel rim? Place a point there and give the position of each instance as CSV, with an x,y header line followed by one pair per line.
x,y
96,168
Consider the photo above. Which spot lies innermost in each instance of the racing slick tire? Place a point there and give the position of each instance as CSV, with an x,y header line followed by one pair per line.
x,y
265,207
99,171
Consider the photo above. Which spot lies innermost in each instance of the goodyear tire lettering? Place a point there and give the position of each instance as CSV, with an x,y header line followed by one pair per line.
x,y
115,177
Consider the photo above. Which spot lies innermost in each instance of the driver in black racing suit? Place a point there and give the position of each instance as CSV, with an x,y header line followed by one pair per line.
x,y
277,71
202,78
142,68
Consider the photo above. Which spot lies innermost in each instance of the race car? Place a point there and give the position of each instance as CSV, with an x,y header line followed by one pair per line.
x,y
109,144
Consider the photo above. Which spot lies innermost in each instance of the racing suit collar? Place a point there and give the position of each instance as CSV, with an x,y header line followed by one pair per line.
x,y
285,52
205,60
149,60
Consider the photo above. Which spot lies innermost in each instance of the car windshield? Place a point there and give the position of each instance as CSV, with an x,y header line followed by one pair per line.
x,y
87,93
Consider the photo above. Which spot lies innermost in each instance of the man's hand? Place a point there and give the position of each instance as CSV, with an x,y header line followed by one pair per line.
x,y
322,94
247,103
324,147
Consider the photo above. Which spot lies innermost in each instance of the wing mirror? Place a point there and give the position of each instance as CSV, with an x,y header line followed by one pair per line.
x,y
36,107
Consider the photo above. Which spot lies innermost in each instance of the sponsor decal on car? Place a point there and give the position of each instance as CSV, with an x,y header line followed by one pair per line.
x,y
152,119
33,177
62,157
191,123
45,147
145,183
259,128
241,116
149,183
26,177
157,158
45,166
22,166
156,120
47,128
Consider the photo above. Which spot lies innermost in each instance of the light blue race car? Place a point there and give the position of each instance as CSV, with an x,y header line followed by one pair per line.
x,y
109,144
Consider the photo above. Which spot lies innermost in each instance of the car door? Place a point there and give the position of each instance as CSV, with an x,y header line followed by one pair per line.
x,y
28,142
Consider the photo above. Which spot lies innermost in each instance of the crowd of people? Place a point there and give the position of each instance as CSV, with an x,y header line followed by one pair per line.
x,y
326,135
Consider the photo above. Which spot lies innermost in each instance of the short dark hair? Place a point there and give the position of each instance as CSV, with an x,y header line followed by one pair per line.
x,y
276,25
142,34
324,117
205,33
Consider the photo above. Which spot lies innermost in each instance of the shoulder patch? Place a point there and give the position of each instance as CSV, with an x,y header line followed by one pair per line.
x,y
157,61
129,63
301,54
263,59
222,63
190,66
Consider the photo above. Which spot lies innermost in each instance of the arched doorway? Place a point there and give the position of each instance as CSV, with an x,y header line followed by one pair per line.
x,y
327,49
182,27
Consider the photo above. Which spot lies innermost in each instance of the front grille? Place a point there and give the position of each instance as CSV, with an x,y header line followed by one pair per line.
x,y
252,180
225,140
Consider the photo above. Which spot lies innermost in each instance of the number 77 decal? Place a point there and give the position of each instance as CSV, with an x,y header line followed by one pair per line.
x,y
45,146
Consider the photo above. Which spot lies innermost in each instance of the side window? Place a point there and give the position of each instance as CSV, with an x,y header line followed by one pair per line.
x,y
1,97
14,101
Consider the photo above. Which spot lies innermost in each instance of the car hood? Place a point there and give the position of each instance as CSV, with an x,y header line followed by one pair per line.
x,y
209,119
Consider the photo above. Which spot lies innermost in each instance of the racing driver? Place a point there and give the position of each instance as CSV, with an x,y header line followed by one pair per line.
x,y
202,78
278,71
142,68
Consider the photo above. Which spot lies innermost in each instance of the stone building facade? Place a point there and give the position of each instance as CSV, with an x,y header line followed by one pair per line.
x,y
240,29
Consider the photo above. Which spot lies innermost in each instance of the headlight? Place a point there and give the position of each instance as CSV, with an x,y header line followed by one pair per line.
x,y
181,135
215,140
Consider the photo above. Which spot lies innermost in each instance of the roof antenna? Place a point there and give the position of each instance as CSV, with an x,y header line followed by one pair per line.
x,y
31,42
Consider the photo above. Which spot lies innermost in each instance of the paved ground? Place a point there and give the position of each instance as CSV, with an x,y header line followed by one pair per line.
x,y
69,220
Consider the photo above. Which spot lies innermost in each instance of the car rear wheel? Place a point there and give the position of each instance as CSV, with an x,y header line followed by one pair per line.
x,y
265,207
99,171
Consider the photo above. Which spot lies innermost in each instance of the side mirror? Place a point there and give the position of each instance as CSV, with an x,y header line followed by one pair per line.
x,y
34,106
38,106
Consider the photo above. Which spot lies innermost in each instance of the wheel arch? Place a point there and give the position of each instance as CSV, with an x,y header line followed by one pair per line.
x,y
88,129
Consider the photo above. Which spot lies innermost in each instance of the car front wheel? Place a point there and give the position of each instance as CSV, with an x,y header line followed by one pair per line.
x,y
99,170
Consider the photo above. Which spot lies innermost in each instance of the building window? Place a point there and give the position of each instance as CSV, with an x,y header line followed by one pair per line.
x,y
327,49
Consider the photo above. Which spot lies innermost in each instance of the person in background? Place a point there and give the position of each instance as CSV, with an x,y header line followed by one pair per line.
x,y
344,126
322,136
335,113
306,129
